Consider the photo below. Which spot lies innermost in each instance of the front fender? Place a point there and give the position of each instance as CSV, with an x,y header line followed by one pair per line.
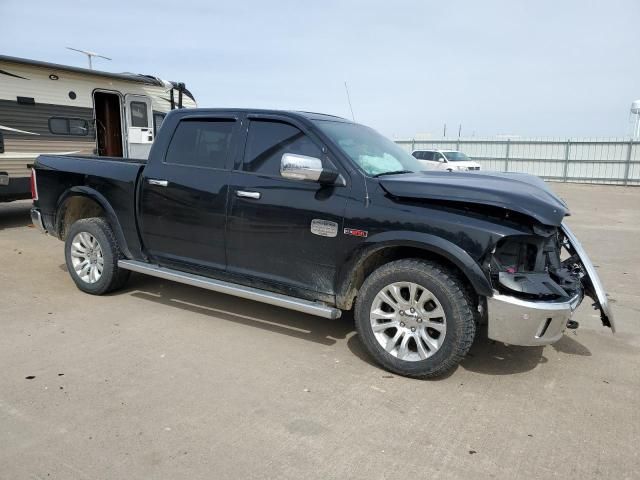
x,y
423,241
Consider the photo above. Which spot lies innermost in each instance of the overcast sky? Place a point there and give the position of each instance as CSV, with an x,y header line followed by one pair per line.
x,y
543,68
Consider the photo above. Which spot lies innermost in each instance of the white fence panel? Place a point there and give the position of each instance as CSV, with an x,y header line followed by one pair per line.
x,y
596,160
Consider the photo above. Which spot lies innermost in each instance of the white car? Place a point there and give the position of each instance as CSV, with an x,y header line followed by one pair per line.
x,y
449,160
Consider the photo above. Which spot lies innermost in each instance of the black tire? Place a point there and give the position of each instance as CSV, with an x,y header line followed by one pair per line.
x,y
112,277
454,299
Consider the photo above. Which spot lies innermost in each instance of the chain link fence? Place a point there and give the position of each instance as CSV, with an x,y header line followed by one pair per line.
x,y
610,161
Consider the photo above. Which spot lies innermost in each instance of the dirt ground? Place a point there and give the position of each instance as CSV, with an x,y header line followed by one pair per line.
x,y
167,381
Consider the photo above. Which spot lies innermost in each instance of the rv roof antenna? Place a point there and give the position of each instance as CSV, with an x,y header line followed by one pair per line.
x,y
349,100
89,55
635,112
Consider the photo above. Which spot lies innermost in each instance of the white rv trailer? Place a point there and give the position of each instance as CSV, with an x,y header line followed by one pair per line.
x,y
49,108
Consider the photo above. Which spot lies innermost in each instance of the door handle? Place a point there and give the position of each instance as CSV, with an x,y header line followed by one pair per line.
x,y
160,183
245,194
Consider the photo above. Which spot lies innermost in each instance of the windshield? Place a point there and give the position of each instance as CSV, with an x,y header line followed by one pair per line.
x,y
456,157
372,152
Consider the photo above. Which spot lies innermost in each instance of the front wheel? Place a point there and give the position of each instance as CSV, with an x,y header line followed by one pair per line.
x,y
91,252
415,318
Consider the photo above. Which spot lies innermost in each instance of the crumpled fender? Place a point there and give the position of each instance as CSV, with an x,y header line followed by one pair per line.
x,y
430,243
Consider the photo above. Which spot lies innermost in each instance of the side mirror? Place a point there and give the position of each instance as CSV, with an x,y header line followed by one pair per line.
x,y
302,167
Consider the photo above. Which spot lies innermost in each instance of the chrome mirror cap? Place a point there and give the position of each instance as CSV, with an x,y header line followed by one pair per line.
x,y
300,167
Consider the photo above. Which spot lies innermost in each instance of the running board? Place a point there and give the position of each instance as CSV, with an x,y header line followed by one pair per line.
x,y
292,303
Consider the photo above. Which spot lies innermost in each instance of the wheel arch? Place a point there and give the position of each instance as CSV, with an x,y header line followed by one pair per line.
x,y
390,246
80,202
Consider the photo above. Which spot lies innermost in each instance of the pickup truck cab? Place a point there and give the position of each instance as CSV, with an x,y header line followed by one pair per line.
x,y
321,215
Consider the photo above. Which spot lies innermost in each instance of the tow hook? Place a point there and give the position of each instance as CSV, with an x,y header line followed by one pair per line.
x,y
572,325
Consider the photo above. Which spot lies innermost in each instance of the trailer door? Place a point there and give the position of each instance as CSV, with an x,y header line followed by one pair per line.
x,y
139,125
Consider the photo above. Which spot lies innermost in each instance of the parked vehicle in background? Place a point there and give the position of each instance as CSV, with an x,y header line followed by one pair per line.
x,y
319,214
50,108
448,160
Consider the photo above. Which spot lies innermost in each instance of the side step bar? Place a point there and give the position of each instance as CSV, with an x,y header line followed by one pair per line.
x,y
292,303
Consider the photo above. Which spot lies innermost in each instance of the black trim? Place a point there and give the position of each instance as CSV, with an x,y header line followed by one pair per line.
x,y
4,72
32,119
26,100
1,142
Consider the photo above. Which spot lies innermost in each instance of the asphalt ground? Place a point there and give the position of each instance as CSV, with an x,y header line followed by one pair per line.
x,y
166,381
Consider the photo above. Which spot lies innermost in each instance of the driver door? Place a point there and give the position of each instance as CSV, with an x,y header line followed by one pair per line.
x,y
273,232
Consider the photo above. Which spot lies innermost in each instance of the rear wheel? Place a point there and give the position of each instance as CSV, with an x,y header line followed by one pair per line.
x,y
91,254
415,318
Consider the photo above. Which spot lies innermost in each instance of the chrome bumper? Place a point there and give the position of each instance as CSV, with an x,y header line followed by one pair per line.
x,y
36,219
529,323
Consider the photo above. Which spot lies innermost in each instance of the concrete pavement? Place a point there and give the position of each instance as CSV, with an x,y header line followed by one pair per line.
x,y
167,381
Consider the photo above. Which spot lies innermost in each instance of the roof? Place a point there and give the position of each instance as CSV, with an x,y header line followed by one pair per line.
x,y
128,77
321,116
260,111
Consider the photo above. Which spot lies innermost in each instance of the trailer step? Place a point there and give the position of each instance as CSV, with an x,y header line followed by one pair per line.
x,y
292,303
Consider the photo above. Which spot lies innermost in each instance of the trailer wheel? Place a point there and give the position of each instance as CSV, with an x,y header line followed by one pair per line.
x,y
415,318
91,252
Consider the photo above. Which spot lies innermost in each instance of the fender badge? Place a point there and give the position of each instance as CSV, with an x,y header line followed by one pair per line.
x,y
324,228
355,232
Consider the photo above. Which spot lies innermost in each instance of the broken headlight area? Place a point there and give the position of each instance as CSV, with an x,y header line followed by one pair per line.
x,y
535,267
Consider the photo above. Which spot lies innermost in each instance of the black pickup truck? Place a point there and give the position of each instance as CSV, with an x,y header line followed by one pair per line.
x,y
321,215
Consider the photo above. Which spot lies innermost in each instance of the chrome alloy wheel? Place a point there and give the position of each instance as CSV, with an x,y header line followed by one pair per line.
x,y
87,257
408,321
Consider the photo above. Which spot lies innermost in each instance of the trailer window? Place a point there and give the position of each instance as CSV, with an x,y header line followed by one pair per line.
x,y
68,126
139,114
158,118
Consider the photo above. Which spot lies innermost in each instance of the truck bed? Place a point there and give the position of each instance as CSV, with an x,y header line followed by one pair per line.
x,y
113,178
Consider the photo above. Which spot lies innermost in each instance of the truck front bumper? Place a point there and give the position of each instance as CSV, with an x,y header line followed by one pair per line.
x,y
529,323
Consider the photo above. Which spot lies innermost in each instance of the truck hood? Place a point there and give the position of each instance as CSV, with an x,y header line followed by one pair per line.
x,y
517,192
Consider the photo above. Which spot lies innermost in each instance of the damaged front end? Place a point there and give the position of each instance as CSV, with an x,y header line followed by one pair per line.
x,y
539,280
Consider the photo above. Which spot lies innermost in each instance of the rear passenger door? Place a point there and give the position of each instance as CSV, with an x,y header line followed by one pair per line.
x,y
183,199
273,232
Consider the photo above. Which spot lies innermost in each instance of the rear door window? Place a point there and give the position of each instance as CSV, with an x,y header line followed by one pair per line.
x,y
201,143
